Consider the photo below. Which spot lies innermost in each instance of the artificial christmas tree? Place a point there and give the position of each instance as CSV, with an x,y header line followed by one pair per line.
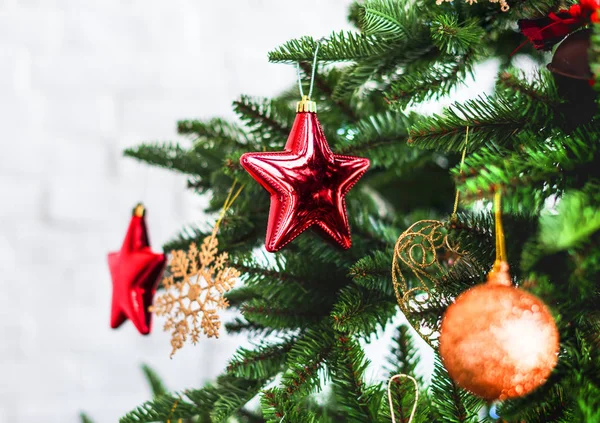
x,y
310,308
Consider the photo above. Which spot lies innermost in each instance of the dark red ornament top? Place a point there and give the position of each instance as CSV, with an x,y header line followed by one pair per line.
x,y
307,183
135,272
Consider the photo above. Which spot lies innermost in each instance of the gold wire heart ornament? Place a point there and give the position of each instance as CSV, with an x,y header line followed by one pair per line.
x,y
423,254
423,257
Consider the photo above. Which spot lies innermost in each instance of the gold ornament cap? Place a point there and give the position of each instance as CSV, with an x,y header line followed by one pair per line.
x,y
305,105
500,275
139,210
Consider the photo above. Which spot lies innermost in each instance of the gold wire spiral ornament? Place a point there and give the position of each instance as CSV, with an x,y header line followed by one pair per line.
x,y
422,255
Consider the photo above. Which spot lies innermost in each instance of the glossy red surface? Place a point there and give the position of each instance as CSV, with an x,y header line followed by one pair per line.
x,y
307,183
135,272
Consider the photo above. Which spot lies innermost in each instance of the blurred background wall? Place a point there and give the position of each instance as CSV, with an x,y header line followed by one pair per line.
x,y
79,81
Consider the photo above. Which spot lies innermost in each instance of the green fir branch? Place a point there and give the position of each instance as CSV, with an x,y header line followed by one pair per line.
x,y
540,88
537,170
268,120
272,406
431,83
454,38
552,409
354,76
374,272
84,418
382,138
256,272
384,18
305,360
247,416
452,403
359,402
231,395
217,131
265,313
277,290
169,156
278,408
155,382
239,325
459,49
162,408
241,295
492,121
360,311
404,354
237,235
339,46
572,224
261,363
380,70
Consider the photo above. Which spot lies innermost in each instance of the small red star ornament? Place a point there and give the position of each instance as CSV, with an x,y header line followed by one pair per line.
x,y
307,183
135,272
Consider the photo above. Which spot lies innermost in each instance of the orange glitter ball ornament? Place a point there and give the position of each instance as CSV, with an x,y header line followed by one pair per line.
x,y
498,341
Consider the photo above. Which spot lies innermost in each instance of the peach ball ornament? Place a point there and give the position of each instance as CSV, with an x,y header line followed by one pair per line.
x,y
498,341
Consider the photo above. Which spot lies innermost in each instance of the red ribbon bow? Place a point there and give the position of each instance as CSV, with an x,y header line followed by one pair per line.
x,y
547,31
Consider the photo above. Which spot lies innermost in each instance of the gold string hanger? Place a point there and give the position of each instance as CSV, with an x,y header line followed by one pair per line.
x,y
499,228
500,242
140,209
227,205
499,273
462,164
173,411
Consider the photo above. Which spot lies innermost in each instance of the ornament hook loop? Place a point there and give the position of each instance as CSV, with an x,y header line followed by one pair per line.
x,y
391,402
305,105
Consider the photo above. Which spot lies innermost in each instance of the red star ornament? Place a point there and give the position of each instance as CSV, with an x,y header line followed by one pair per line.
x,y
307,183
135,272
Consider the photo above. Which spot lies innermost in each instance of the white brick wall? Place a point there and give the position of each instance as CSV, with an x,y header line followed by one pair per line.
x,y
79,81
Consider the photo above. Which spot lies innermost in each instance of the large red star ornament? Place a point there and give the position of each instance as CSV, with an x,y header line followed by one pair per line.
x,y
307,183
135,272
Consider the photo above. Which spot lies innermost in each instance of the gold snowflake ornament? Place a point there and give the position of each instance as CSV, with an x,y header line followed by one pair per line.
x,y
194,292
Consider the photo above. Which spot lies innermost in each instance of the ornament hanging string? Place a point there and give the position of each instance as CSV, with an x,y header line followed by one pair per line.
x,y
313,72
231,197
145,187
462,164
391,403
139,209
500,243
